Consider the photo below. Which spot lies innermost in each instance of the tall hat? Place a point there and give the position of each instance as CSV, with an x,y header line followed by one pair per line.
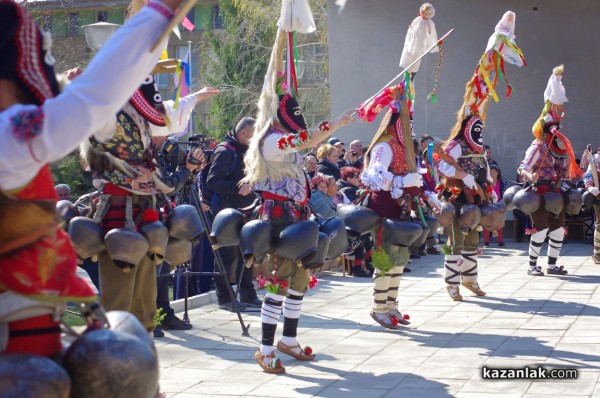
x,y
277,102
25,53
501,48
547,125
280,87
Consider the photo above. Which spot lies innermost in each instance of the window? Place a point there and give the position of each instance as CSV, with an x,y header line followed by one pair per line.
x,y
74,24
47,22
102,16
217,19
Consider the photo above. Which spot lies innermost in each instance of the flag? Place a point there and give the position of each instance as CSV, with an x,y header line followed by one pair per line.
x,y
188,24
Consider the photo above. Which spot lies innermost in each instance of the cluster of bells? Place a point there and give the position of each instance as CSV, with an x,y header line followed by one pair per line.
x,y
116,359
170,241
527,201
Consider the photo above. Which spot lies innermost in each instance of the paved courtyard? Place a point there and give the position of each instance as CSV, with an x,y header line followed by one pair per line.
x,y
550,321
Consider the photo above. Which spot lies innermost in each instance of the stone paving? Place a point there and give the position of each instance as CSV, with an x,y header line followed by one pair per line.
x,y
550,321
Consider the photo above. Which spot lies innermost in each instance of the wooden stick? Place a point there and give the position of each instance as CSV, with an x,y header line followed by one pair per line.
x,y
182,11
408,67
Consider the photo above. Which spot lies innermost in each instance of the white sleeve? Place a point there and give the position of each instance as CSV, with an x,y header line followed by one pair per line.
x,y
376,175
446,169
58,126
179,116
531,156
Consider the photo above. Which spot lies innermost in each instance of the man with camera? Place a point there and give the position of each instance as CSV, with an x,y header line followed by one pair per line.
x,y
226,171
176,167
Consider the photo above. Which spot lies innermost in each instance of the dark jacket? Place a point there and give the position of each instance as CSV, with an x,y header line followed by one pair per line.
x,y
324,166
226,171
347,189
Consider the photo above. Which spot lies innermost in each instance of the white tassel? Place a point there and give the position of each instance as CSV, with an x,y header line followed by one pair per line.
x,y
296,16
47,46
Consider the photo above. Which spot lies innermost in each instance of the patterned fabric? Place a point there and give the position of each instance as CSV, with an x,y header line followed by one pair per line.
x,y
28,124
131,143
398,165
547,166
45,269
470,164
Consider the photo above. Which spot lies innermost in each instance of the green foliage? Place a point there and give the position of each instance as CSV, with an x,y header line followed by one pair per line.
x,y
159,316
382,261
69,171
236,60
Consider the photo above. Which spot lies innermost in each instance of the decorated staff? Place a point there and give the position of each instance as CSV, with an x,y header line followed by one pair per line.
x,y
548,161
420,36
462,164
273,167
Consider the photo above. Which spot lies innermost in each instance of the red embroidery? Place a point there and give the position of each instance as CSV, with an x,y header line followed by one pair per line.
x,y
28,124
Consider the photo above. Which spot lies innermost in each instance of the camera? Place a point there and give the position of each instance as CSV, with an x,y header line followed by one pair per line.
x,y
353,153
172,155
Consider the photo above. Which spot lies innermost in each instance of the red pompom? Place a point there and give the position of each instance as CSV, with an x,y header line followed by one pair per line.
x,y
456,190
307,350
440,187
406,316
489,188
150,215
395,321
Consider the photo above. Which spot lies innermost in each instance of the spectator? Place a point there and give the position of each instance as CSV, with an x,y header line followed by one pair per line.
x,y
174,176
488,156
310,166
499,186
63,191
332,190
353,157
320,202
223,180
328,156
349,182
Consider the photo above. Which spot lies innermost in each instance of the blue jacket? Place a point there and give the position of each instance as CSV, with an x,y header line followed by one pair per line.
x,y
322,204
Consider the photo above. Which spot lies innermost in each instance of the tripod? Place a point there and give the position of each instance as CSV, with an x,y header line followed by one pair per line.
x,y
189,194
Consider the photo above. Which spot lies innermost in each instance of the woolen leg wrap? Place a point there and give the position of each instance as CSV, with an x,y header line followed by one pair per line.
x,y
469,266
596,241
292,305
535,246
381,285
452,276
555,240
392,295
270,314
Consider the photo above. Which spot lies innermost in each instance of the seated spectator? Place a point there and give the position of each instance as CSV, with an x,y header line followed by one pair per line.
x,y
338,198
320,202
310,166
349,182
63,191
327,157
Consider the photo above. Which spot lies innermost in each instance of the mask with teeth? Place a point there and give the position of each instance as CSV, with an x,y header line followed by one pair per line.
x,y
473,131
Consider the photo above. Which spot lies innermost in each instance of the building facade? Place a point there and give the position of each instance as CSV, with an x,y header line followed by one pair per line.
x,y
366,40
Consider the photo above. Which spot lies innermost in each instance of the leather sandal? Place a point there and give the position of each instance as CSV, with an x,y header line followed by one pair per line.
x,y
272,366
302,356
394,313
474,287
384,319
454,292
